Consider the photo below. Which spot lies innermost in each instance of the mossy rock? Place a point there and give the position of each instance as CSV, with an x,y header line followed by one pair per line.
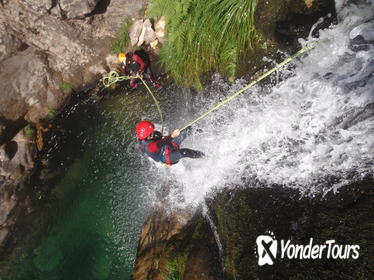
x,y
242,215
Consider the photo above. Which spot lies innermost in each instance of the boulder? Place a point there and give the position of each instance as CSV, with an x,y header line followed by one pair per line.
x,y
29,89
109,23
142,32
77,8
147,35
135,31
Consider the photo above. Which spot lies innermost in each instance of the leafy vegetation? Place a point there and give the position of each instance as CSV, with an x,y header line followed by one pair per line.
x,y
176,267
29,131
203,35
52,113
67,86
119,44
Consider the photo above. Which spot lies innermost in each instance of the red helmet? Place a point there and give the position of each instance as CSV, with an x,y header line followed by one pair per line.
x,y
144,129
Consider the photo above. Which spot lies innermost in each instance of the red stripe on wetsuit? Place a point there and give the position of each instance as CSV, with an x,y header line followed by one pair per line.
x,y
155,146
140,61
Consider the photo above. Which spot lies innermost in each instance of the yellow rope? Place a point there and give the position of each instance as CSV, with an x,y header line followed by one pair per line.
x,y
306,48
156,102
113,77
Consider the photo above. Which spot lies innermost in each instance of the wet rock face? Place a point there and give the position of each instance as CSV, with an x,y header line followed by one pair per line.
x,y
241,215
172,246
177,246
286,21
161,227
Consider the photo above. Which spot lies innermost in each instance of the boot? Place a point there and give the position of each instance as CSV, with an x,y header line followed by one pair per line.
x,y
191,153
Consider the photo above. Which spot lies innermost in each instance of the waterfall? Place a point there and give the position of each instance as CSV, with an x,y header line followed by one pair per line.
x,y
205,212
311,129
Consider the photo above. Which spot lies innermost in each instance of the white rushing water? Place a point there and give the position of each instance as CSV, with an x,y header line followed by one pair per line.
x,y
313,131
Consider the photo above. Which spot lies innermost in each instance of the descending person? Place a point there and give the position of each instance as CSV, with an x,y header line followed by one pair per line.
x,y
137,63
163,148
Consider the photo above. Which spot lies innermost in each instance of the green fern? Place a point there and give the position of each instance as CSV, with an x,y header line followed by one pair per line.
x,y
176,267
203,35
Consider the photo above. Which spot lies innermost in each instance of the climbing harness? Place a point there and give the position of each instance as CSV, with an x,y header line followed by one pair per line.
x,y
263,76
113,77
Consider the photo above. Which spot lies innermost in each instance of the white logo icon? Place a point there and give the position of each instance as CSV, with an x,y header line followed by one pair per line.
x,y
266,249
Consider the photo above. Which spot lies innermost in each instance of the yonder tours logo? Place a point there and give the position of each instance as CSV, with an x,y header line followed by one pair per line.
x,y
267,249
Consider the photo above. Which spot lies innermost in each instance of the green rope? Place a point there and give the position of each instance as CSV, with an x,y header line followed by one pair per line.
x,y
156,102
306,48
113,77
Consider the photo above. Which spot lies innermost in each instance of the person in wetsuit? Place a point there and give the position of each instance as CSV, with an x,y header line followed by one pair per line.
x,y
137,63
161,148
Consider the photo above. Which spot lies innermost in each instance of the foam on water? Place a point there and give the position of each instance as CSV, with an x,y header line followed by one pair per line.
x,y
313,131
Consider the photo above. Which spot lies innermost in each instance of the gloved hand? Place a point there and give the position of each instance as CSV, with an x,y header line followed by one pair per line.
x,y
141,73
175,133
